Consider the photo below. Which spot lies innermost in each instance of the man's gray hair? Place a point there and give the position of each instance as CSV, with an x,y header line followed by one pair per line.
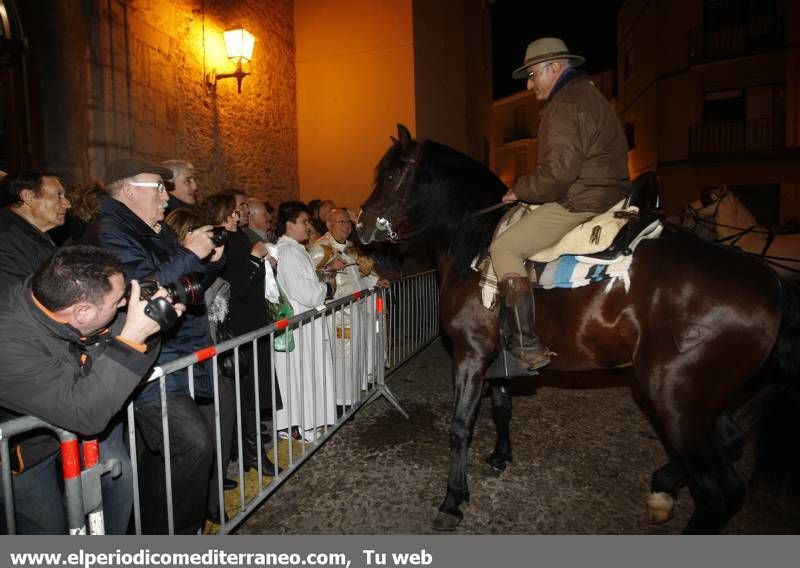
x,y
115,187
177,167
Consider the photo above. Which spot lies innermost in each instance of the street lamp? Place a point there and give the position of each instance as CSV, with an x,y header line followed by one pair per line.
x,y
239,47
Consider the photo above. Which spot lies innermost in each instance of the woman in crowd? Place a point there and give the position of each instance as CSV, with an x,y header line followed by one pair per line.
x,y
305,373
182,222
245,271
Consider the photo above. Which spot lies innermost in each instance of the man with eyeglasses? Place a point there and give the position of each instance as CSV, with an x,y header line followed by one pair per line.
x,y
339,263
581,170
130,225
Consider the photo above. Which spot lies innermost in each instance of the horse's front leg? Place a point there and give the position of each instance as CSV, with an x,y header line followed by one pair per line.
x,y
501,414
468,382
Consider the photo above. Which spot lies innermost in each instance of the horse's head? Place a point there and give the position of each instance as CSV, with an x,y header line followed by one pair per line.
x,y
700,215
384,216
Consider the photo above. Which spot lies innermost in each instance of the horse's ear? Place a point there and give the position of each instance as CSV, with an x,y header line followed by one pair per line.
x,y
395,141
404,135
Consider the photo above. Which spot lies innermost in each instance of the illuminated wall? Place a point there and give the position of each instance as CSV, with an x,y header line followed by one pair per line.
x,y
128,78
355,82
365,65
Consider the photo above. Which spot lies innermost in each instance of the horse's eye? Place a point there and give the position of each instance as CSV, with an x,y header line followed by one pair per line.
x,y
390,177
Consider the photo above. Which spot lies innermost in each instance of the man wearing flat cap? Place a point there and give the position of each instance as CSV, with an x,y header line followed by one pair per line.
x,y
130,225
581,170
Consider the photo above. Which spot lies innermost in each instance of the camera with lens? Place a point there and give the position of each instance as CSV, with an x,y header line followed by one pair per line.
x,y
187,291
219,234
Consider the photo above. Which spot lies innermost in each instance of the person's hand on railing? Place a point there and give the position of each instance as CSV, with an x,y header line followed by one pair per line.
x,y
383,283
138,325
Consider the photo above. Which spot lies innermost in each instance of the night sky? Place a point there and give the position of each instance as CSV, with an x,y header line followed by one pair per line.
x,y
588,27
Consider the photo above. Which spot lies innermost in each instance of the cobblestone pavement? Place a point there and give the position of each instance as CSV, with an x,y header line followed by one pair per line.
x,y
582,463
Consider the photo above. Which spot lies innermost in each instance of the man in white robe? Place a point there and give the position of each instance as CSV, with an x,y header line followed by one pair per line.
x,y
335,258
305,374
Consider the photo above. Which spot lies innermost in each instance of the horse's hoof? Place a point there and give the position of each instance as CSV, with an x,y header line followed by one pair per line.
x,y
445,522
660,507
495,467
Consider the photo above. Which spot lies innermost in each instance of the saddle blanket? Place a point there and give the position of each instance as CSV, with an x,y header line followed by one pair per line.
x,y
554,268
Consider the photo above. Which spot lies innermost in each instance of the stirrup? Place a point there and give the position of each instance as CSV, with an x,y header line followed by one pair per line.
x,y
506,366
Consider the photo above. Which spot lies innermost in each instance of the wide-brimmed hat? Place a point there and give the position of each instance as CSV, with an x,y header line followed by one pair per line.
x,y
545,49
129,167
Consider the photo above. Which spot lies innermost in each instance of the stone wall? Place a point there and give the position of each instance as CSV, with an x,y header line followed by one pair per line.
x,y
120,78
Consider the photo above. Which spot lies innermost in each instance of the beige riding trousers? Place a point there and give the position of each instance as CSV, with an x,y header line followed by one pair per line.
x,y
541,228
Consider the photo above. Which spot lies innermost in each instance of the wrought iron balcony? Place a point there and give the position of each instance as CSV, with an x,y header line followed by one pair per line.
x,y
761,134
759,34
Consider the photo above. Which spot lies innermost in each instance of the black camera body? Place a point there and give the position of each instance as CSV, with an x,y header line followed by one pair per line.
x,y
187,291
219,234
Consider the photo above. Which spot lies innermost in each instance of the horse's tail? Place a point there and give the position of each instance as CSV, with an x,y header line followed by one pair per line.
x,y
778,450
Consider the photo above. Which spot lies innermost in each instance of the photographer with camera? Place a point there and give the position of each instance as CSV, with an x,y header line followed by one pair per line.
x,y
130,225
67,359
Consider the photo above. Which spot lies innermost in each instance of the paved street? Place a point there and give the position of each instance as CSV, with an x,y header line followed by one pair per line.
x,y
583,459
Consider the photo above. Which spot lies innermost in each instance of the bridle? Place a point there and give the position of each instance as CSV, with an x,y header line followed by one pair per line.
x,y
708,222
382,221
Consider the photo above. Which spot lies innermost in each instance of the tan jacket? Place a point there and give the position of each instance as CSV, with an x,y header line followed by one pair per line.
x,y
583,155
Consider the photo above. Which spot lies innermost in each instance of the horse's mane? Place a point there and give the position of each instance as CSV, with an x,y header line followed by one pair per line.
x,y
448,188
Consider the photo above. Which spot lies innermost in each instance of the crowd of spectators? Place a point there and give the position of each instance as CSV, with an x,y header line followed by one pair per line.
x,y
150,222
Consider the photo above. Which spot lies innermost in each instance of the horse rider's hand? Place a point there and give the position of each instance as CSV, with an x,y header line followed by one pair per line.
x,y
510,197
335,265
383,283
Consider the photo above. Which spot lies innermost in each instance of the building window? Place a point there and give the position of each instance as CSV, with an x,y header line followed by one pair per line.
x,y
627,63
520,165
630,134
520,123
724,107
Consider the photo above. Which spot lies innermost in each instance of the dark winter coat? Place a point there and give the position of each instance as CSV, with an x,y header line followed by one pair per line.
x,y
23,248
583,154
47,370
147,254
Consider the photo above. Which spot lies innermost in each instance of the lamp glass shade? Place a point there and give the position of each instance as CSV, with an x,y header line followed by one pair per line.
x,y
239,44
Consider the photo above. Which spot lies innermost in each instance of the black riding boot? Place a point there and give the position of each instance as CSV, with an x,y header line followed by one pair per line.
x,y
517,316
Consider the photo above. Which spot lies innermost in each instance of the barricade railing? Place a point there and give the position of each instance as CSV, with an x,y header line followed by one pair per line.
x,y
343,339
82,488
354,342
413,312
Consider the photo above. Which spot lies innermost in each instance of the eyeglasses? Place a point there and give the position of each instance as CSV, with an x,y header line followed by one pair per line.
x,y
158,186
532,75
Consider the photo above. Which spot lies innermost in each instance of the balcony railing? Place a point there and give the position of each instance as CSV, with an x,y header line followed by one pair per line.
x,y
759,34
733,137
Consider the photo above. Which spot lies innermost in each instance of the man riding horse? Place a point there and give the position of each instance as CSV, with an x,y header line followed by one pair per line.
x,y
581,170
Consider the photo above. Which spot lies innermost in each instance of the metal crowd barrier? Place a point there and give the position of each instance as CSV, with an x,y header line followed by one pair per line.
x,y
82,490
413,313
347,333
357,351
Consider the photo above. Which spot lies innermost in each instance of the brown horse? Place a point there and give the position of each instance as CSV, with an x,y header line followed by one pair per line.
x,y
720,216
697,324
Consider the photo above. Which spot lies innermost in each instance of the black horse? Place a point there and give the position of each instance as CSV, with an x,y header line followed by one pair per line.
x,y
704,327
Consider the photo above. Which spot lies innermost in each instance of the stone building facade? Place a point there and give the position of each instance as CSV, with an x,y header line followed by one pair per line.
x,y
113,78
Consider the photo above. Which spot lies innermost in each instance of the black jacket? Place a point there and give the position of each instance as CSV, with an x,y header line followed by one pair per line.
x,y
147,254
47,370
23,248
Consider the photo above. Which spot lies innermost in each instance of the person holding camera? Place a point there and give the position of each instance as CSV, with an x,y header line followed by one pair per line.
x,y
130,225
68,359
245,271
